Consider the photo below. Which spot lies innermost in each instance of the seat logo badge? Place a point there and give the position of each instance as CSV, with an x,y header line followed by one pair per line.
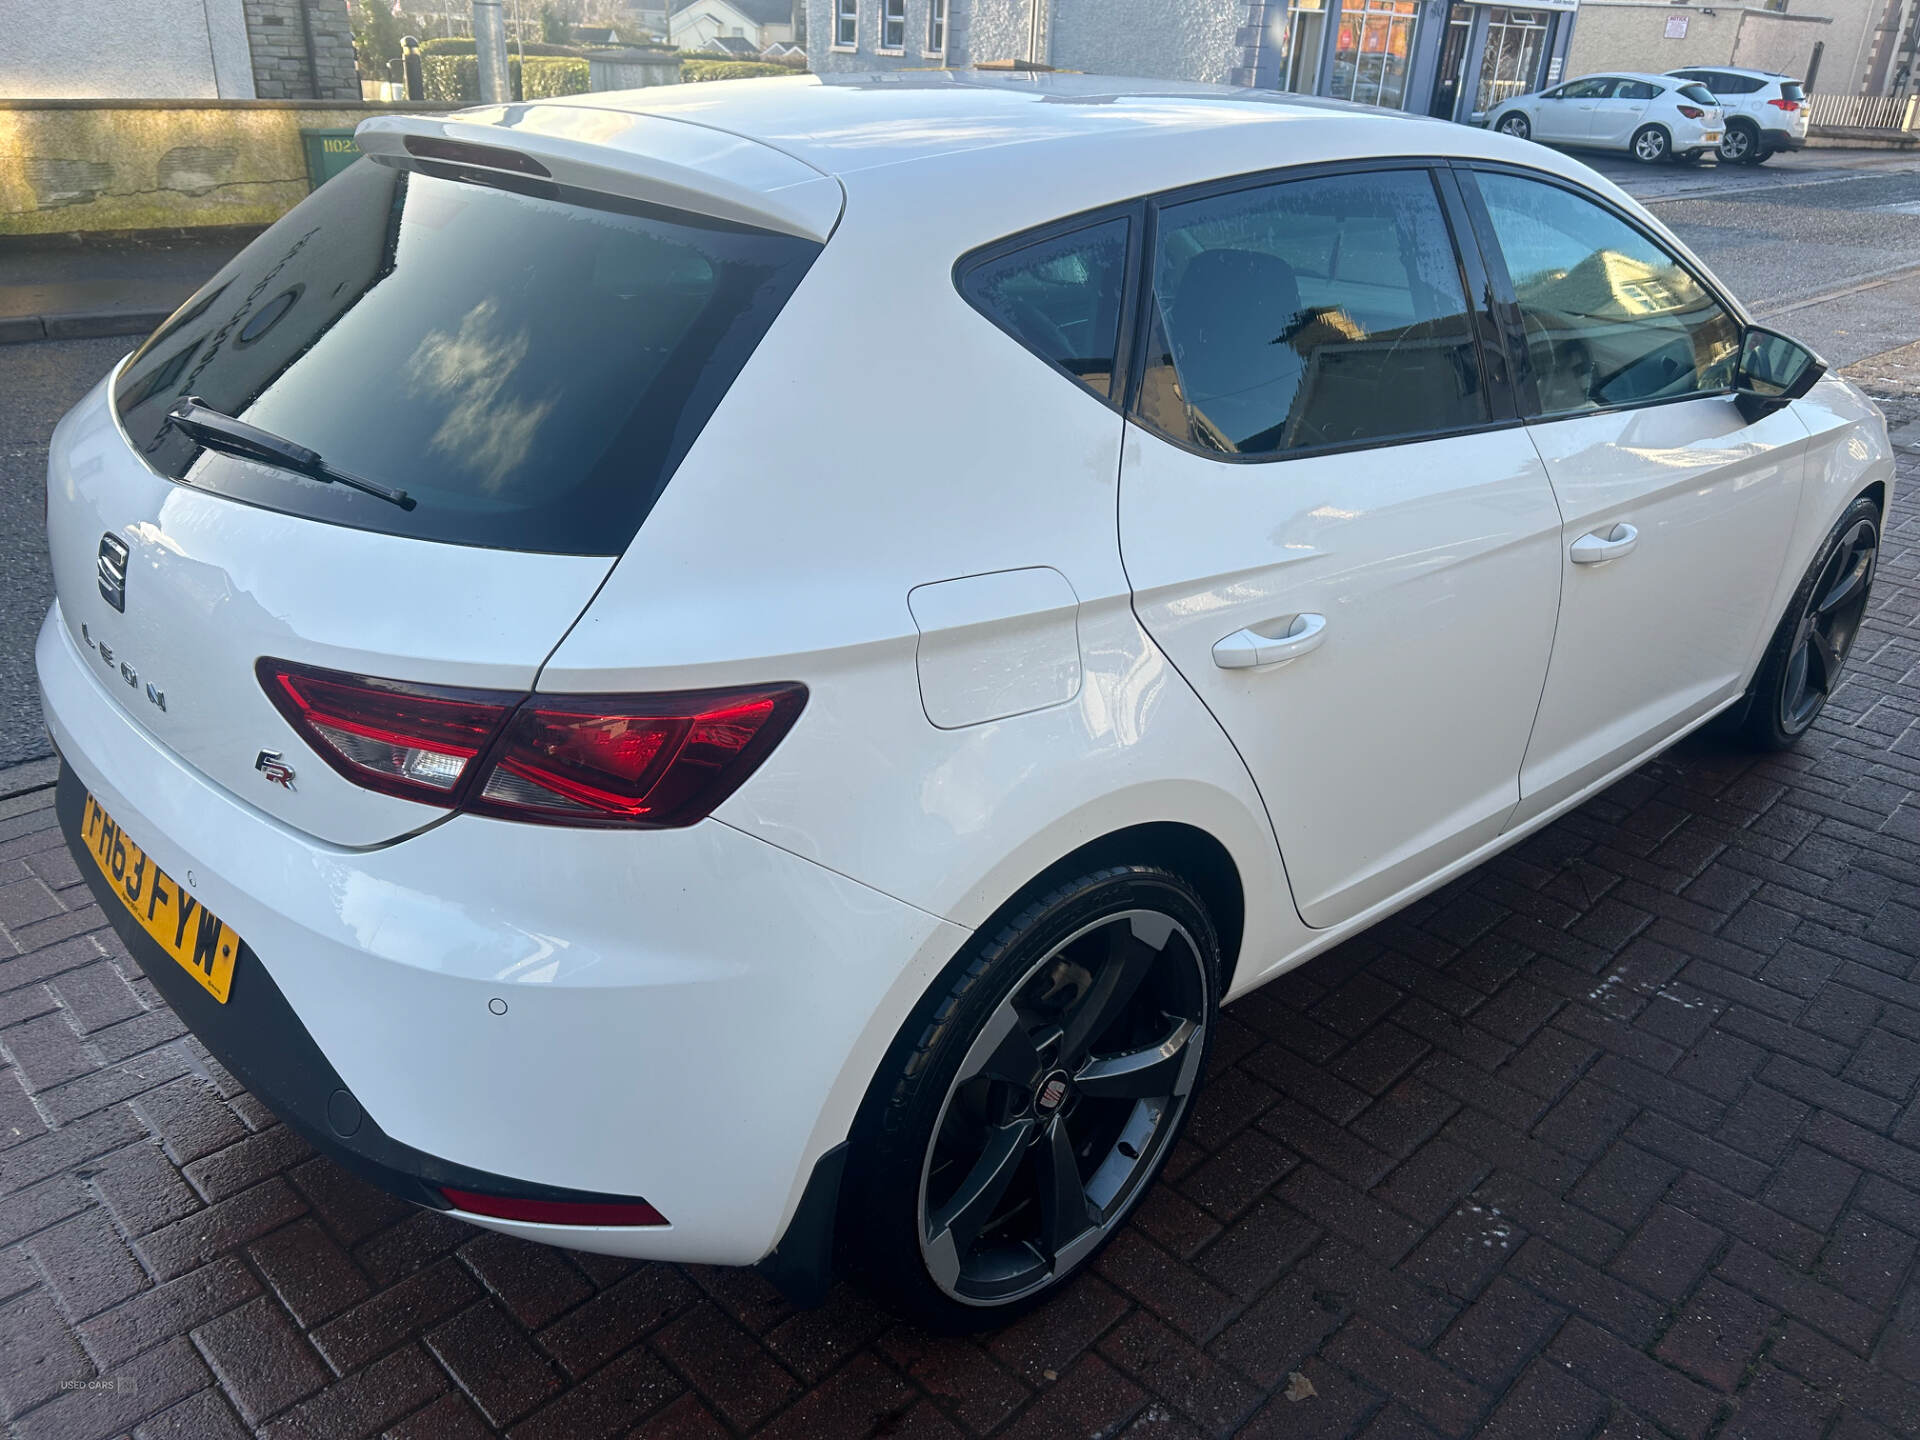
x,y
1052,1091
113,571
270,764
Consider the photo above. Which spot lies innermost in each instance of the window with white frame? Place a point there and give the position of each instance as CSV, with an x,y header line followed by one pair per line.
x,y
893,24
936,27
846,24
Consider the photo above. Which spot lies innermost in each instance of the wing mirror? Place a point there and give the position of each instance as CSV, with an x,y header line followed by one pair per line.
x,y
1773,371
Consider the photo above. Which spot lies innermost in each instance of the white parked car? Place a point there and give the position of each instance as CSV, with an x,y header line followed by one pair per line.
x,y
1651,117
685,672
1765,112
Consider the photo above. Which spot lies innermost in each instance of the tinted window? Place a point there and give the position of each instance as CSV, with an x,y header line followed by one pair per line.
x,y
1060,298
1611,318
1698,94
1597,89
1310,313
1792,90
1640,90
529,370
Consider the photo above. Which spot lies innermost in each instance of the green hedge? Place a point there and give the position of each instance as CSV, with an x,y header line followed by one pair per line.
x,y
701,67
457,78
457,46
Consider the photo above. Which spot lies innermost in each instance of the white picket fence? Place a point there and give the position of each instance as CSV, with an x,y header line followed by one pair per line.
x,y
1865,112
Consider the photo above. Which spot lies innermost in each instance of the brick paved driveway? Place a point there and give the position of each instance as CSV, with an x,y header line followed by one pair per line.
x,y
1619,1135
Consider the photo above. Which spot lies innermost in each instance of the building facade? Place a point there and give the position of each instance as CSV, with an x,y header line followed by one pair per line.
x,y
706,24
1452,58
177,50
1633,35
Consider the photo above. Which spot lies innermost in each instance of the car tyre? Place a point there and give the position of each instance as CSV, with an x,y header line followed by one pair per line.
x,y
1515,124
1803,663
1031,1097
1651,144
1740,145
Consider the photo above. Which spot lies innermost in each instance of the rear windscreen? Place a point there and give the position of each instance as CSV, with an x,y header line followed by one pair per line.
x,y
529,367
1792,90
1699,94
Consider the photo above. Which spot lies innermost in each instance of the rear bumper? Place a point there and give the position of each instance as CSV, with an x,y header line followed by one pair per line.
x,y
1782,140
690,1016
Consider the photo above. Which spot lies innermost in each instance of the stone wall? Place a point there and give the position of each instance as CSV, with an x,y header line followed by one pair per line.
x,y
302,50
80,165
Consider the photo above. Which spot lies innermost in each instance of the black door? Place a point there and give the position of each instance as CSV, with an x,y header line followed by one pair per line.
x,y
1453,62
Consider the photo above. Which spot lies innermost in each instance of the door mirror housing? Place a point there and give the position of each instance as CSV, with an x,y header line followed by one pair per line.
x,y
1774,371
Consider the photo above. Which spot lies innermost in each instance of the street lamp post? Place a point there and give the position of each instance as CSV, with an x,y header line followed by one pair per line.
x,y
490,52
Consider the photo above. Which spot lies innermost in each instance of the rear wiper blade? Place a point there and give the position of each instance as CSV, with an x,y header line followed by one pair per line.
x,y
218,430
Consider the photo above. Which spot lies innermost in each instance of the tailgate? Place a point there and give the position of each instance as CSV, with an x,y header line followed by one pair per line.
x,y
210,586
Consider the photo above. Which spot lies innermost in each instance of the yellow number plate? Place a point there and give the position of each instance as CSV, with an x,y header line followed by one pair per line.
x,y
198,940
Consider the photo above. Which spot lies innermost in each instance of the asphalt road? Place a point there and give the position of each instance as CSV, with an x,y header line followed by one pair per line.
x,y
1824,244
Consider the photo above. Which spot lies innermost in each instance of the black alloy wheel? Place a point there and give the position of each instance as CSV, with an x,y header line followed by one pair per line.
x,y
1804,663
1044,1092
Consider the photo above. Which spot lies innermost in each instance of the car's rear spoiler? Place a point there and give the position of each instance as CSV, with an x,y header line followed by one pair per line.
x,y
643,157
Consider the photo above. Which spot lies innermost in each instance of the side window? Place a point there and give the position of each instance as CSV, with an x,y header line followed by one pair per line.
x,y
1595,89
1310,313
1611,318
1636,90
1060,297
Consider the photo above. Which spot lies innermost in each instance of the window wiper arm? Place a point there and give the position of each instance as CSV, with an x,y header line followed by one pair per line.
x,y
218,430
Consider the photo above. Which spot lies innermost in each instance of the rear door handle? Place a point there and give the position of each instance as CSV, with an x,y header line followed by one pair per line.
x,y
1248,649
1597,549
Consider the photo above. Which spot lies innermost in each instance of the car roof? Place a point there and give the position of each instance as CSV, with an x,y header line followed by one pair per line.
x,y
842,124
987,152
1733,70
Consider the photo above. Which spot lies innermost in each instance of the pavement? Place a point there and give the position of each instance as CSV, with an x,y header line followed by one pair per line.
x,y
1617,1136
65,291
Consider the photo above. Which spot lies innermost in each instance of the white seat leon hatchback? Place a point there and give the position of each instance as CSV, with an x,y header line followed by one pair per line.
x,y
736,673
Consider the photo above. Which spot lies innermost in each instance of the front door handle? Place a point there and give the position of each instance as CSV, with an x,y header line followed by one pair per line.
x,y
1246,649
1596,549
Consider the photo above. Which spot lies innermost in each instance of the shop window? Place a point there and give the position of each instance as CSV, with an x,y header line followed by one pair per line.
x,y
1373,45
1510,63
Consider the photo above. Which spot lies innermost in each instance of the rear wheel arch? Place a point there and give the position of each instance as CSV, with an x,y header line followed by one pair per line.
x,y
1172,845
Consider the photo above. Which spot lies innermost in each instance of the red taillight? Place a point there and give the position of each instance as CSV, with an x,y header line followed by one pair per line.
x,y
652,760
414,741
1691,112
1788,105
643,761
555,1212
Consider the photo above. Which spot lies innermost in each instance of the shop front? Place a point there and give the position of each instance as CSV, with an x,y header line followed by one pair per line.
x,y
1454,59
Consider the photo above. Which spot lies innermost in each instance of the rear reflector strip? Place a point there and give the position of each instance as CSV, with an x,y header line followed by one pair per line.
x,y
555,1212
